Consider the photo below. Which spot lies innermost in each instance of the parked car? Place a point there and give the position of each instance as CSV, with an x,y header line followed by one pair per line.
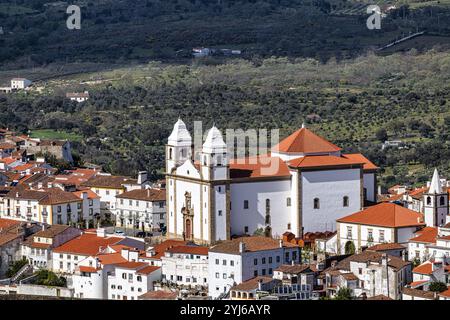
x,y
119,232
144,234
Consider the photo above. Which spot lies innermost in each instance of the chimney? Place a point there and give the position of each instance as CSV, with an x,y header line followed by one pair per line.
x,y
384,259
292,262
281,243
101,233
260,284
142,177
241,247
44,227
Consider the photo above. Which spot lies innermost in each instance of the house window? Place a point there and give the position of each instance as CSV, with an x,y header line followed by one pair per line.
x,y
245,204
263,272
428,200
255,273
381,235
217,275
255,262
124,276
231,263
316,203
278,259
217,261
289,226
270,259
59,208
345,201
246,229
139,278
224,262
288,201
360,270
349,233
370,235
220,212
442,201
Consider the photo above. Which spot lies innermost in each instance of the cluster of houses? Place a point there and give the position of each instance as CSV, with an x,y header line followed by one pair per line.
x,y
19,84
217,228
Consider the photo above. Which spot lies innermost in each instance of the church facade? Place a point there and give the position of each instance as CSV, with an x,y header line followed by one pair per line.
x,y
211,197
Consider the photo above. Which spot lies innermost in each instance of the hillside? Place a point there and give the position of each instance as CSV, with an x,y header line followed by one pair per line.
x,y
127,31
131,111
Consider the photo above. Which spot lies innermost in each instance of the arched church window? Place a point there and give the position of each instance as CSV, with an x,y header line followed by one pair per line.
x,y
183,153
428,200
267,203
219,160
316,203
442,201
204,160
170,153
345,201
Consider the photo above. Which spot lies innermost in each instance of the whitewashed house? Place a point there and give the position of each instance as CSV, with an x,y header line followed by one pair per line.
x,y
20,83
131,280
186,266
369,274
382,223
37,249
143,209
235,261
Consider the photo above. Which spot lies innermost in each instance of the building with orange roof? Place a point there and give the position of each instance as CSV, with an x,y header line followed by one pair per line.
x,y
428,272
113,273
305,179
234,261
66,258
38,247
143,209
382,223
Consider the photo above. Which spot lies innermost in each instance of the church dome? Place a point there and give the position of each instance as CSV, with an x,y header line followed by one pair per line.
x,y
180,136
214,142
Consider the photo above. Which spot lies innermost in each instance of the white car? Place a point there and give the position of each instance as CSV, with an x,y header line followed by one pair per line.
x,y
119,233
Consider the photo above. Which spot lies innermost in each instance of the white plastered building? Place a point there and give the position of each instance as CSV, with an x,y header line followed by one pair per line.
x,y
304,184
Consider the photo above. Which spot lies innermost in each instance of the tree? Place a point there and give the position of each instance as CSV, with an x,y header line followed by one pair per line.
x,y
381,135
17,265
344,294
350,247
438,287
259,232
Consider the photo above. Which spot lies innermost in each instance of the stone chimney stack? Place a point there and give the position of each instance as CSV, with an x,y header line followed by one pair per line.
x,y
260,284
241,247
142,177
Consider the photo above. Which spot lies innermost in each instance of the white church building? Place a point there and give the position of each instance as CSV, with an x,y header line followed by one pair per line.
x,y
211,197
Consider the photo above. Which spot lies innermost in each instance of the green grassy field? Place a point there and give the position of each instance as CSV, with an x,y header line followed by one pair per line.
x,y
52,134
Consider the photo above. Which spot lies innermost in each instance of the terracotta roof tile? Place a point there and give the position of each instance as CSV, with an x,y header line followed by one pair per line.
x,y
386,215
148,269
113,182
196,250
251,244
87,244
323,161
144,195
258,167
252,283
386,246
425,268
427,235
305,141
358,157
